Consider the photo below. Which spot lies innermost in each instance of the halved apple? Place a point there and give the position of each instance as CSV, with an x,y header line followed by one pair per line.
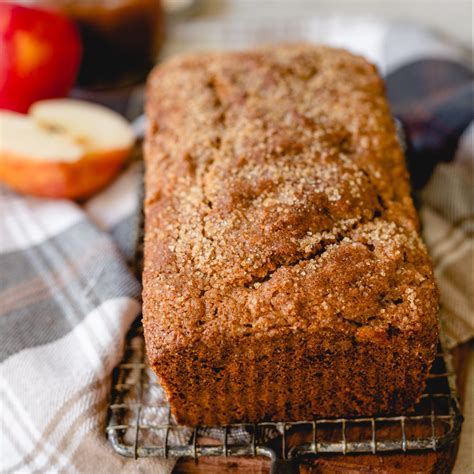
x,y
63,149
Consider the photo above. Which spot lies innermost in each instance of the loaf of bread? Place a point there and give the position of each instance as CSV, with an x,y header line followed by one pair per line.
x,y
284,273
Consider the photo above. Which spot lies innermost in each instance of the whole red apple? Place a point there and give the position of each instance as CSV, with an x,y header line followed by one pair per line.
x,y
40,55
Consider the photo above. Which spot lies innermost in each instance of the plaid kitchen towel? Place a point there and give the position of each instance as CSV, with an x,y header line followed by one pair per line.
x,y
67,296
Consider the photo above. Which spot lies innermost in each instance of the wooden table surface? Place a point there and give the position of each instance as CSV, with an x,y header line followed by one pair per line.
x,y
430,462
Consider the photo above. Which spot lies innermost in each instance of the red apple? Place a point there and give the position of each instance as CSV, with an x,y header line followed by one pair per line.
x,y
63,148
40,57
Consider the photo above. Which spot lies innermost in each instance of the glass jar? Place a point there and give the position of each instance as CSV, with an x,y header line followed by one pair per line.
x,y
121,38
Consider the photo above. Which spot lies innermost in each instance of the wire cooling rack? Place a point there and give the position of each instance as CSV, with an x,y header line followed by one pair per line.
x,y
140,423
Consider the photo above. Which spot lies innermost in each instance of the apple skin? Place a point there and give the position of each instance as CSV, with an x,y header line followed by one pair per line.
x,y
61,180
41,54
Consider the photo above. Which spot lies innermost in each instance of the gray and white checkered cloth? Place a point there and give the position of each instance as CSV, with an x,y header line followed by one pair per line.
x,y
67,296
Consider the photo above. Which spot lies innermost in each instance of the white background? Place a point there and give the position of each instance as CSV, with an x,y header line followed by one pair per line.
x,y
453,17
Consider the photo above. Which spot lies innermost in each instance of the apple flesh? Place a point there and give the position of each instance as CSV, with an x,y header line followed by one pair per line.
x,y
63,149
97,128
40,57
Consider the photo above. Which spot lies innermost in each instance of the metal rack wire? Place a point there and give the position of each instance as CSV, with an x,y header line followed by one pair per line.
x,y
140,423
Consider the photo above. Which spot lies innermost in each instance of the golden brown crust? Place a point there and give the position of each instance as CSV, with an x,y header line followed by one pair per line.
x,y
281,241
